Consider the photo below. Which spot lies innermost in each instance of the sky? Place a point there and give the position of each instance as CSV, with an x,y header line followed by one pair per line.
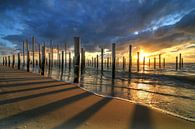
x,y
153,27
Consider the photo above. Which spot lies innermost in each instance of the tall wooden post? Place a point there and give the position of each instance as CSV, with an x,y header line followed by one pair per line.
x,y
176,63
39,56
51,51
159,61
13,61
149,63
154,62
23,53
92,62
82,59
69,61
9,63
180,61
137,61
76,59
97,62
124,63
33,51
144,63
3,61
130,58
102,59
49,54
163,63
18,60
62,62
65,52
113,60
28,56
43,61
107,62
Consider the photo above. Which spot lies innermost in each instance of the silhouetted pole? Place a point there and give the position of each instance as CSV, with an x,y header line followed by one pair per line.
x,y
149,63
40,56
124,63
154,63
76,59
176,63
113,60
130,58
43,61
163,63
23,54
18,60
28,56
82,59
13,61
137,61
180,61
97,62
65,52
33,51
69,60
9,63
159,61
107,62
144,64
51,47
62,62
92,62
49,54
3,61
102,59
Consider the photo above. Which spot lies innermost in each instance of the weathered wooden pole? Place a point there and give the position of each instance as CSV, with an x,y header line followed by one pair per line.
x,y
51,48
18,60
65,52
13,61
144,63
62,65
76,59
149,63
130,58
23,53
176,63
28,57
3,61
82,59
39,56
49,54
33,51
154,62
124,63
164,63
102,60
9,63
159,61
113,60
137,61
43,61
69,61
107,62
92,62
97,62
180,61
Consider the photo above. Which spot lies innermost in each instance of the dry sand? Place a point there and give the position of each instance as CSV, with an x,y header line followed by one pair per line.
x,y
31,101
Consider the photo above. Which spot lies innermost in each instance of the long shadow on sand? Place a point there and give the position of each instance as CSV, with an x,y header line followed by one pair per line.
x,y
79,119
141,118
13,100
13,121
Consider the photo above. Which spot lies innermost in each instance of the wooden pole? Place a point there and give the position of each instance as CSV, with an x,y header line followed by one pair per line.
x,y
13,61
130,58
102,59
49,54
69,61
76,59
97,62
62,65
43,61
180,62
82,59
18,60
3,61
137,61
164,63
28,56
9,63
92,62
144,64
65,49
113,60
154,63
39,56
176,63
51,46
124,63
23,53
149,63
33,50
159,61
107,62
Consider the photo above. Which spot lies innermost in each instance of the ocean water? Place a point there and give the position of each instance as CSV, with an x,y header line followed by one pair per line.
x,y
167,90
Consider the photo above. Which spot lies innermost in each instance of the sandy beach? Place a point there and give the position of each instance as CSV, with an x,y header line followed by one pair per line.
x,y
31,101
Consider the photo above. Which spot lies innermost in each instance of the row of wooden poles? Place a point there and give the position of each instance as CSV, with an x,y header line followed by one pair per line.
x,y
79,62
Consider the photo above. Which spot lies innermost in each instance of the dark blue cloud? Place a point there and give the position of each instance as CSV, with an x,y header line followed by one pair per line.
x,y
98,22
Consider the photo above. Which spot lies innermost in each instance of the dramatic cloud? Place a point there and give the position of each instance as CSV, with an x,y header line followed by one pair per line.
x,y
152,24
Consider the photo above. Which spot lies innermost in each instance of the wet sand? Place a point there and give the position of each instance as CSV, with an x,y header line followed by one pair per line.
x,y
31,101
